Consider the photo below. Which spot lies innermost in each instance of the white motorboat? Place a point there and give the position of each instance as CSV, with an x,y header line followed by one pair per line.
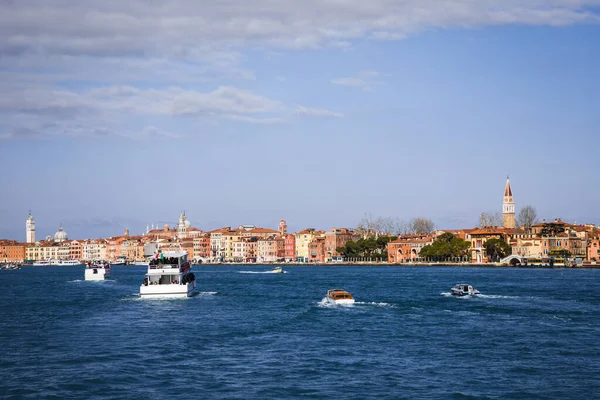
x,y
141,262
169,275
65,262
463,289
276,270
339,296
41,263
97,271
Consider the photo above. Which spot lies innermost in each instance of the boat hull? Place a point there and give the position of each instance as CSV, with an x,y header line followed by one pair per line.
x,y
340,301
168,290
96,274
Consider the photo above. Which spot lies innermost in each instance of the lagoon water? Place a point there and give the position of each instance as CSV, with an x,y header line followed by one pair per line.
x,y
532,334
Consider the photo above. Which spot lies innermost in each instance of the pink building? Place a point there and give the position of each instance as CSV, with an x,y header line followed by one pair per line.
x,y
289,247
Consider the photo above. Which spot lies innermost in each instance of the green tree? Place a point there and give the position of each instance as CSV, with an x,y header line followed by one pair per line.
x,y
497,249
446,245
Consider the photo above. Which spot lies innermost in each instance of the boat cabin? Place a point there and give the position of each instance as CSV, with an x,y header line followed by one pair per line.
x,y
339,294
167,268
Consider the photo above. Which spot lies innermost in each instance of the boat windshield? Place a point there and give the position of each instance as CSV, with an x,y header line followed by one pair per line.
x,y
340,295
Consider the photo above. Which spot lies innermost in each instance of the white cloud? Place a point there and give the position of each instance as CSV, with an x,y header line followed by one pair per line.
x,y
149,55
45,110
366,80
316,112
187,29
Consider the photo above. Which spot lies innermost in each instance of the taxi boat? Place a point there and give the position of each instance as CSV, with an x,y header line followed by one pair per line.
x,y
339,296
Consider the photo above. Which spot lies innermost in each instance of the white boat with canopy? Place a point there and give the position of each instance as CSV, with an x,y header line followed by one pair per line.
x,y
169,275
97,271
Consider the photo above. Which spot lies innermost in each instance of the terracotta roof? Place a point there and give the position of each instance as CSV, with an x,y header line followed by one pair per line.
x,y
488,231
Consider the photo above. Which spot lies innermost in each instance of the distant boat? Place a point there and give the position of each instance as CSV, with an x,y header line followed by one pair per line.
x,y
41,263
141,262
10,266
97,271
119,261
276,270
65,262
339,296
463,289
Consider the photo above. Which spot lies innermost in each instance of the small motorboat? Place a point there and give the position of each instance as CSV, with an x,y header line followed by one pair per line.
x,y
339,296
276,270
463,289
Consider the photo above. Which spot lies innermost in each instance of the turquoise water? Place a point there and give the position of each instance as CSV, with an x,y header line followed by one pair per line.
x,y
532,334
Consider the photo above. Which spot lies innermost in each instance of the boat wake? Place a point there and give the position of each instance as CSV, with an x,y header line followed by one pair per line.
x,y
325,304
497,296
261,272
467,296
201,294
374,303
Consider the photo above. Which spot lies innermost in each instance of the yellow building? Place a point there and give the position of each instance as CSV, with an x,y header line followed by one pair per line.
x,y
303,239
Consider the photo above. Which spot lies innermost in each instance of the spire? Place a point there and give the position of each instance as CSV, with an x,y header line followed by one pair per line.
x,y
507,188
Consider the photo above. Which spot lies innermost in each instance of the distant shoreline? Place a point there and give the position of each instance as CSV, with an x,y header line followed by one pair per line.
x,y
424,265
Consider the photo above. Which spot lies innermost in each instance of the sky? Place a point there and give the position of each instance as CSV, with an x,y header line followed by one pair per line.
x,y
117,114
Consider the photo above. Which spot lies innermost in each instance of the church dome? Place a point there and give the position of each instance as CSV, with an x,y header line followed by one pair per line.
x,y
60,235
188,224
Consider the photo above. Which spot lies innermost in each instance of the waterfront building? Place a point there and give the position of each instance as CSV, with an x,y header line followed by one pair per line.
x,y
93,249
593,250
280,246
75,250
202,247
30,229
267,249
478,237
407,248
289,253
245,249
337,237
560,238
216,237
188,246
508,207
316,250
12,251
46,250
303,239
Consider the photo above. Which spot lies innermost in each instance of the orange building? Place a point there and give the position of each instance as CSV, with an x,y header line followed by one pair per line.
x,y
316,250
407,248
202,246
337,237
75,250
12,251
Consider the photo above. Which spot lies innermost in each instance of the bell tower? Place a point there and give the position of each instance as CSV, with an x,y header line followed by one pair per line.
x,y
30,229
282,228
508,207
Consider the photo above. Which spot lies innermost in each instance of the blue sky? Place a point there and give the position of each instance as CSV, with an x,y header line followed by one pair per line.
x,y
115,116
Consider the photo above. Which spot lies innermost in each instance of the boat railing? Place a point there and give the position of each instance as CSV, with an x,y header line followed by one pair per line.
x,y
163,266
